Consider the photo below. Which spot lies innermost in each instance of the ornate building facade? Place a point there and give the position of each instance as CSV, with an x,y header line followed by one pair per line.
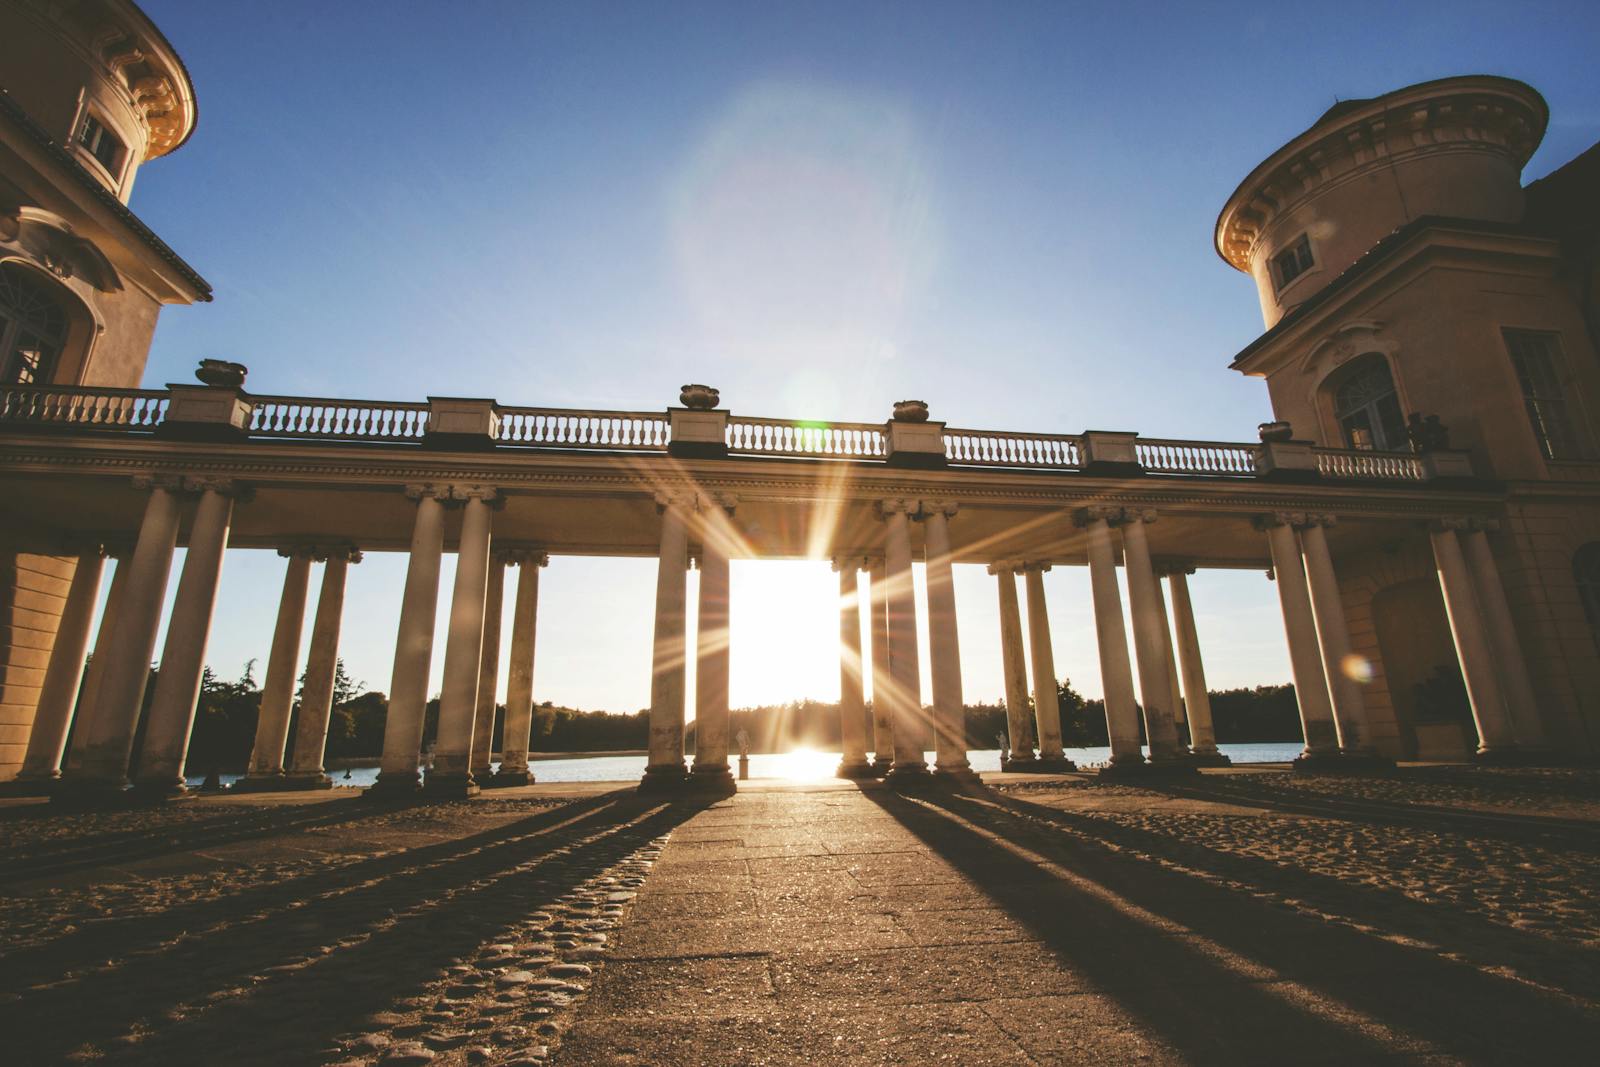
x,y
1428,502
89,91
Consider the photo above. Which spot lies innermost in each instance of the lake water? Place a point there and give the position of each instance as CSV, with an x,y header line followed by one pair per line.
x,y
804,765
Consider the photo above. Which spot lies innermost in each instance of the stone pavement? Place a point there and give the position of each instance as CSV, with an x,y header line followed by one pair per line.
x,y
1246,916
841,925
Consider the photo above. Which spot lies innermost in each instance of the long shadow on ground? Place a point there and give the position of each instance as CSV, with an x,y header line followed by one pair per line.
x,y
1219,975
281,986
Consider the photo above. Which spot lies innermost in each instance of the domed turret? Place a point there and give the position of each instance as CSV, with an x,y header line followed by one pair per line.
x,y
1452,148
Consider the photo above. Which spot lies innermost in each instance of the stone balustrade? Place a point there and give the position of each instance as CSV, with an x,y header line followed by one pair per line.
x,y
450,422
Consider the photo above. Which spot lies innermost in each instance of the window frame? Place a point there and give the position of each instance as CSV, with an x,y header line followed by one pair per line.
x,y
86,153
1301,244
1566,404
12,329
1342,376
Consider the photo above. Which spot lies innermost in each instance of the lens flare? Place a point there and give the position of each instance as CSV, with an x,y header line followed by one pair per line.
x,y
1357,668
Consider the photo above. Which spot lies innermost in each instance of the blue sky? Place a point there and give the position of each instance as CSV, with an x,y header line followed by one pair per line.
x,y
1004,209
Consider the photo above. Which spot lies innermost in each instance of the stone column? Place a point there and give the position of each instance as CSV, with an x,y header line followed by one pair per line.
x,y
852,705
910,724
322,668
944,647
1046,690
101,759
1333,636
277,692
489,673
1116,671
665,769
1495,736
1150,641
1169,654
47,742
519,683
1019,728
1515,683
451,773
711,654
1305,656
401,771
882,704
183,660
94,674
1197,700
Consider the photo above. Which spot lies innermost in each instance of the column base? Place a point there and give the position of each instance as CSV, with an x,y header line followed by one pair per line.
x,y
1017,764
962,775
160,790
1504,756
860,769
1144,770
1044,765
41,786
447,785
395,786
717,779
881,766
1319,763
295,782
1211,758
507,779
913,775
667,778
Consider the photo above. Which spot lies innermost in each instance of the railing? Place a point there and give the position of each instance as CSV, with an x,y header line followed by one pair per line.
x,y
783,437
1196,457
998,448
356,420
83,406
321,419
565,428
1376,466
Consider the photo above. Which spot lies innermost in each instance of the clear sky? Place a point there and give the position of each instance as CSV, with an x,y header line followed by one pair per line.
x,y
1003,209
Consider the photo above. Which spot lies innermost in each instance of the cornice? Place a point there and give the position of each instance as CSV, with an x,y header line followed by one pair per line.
x,y
1476,113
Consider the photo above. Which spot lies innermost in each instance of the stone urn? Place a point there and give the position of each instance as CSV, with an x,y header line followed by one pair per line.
x,y
1275,431
699,397
221,374
910,411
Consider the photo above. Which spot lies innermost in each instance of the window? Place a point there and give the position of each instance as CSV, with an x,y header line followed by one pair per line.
x,y
1586,571
102,144
1544,394
1292,262
1368,408
33,326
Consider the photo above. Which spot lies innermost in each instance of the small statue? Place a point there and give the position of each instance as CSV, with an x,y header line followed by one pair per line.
x,y
1000,742
1427,433
743,738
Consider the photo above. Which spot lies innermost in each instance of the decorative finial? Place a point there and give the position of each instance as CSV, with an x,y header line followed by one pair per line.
x,y
699,397
910,411
1275,431
221,374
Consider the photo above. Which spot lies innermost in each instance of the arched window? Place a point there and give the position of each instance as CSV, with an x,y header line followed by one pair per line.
x,y
1368,408
33,327
1586,571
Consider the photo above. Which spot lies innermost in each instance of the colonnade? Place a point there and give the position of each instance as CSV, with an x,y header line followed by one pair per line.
x,y
1165,657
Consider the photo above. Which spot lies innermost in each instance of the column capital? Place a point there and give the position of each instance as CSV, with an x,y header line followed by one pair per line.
x,y
1483,524
873,563
1112,515
428,491
1004,566
947,508
298,551
1166,567
846,563
1449,522
1315,519
172,483
486,493
336,550
1034,565
1274,519
709,501
520,555
229,487
896,507
675,499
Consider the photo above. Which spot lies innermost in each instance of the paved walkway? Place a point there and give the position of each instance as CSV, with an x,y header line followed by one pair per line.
x,y
840,925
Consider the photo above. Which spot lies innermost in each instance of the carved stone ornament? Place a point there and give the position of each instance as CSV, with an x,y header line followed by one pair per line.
x,y
910,411
699,397
221,374
1427,433
1275,431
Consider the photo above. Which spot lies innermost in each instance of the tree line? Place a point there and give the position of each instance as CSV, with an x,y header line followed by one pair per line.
x,y
225,722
